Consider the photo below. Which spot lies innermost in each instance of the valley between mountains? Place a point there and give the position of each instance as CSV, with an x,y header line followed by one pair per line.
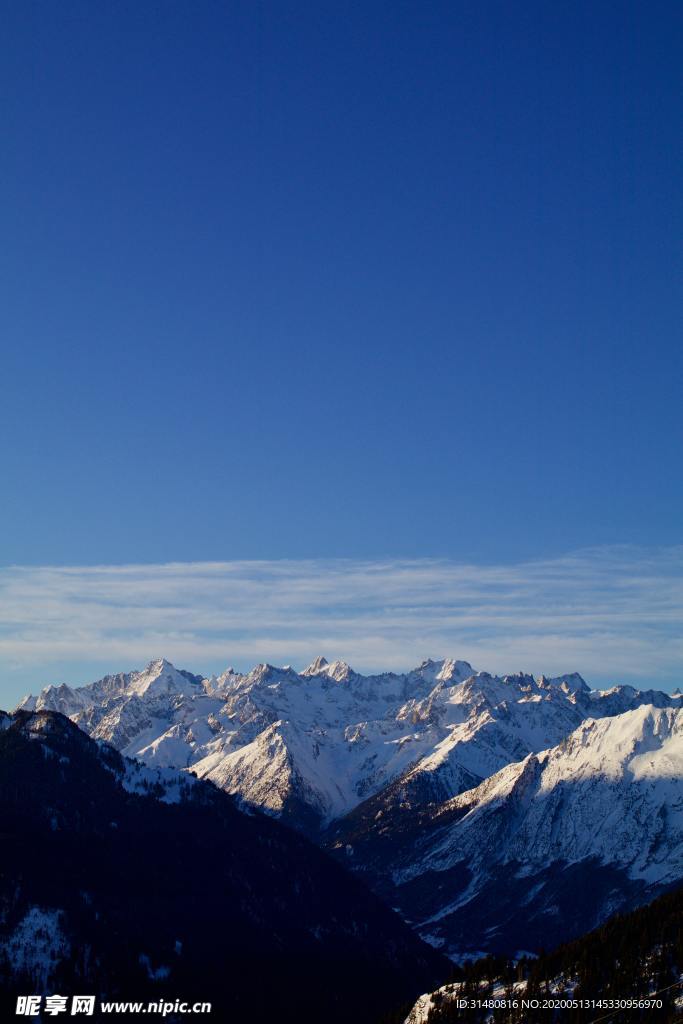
x,y
496,814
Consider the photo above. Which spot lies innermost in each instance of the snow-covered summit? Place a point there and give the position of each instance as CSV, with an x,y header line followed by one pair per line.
x,y
340,671
612,790
317,666
570,683
162,677
548,844
449,670
159,677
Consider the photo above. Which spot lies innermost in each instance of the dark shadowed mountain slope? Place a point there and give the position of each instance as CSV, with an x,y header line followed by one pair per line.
x,y
636,957
139,883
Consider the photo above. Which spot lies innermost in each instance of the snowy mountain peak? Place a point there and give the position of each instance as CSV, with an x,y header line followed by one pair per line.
x,y
340,671
447,670
571,682
161,677
265,673
644,742
159,665
316,667
454,671
613,789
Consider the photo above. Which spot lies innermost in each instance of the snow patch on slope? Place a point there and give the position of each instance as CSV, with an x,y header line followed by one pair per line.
x,y
37,945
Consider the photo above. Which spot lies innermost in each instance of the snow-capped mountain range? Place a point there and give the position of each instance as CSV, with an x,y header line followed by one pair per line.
x,y
311,746
480,806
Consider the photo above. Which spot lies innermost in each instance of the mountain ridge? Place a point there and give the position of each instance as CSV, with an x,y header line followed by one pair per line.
x,y
125,880
338,737
499,867
470,802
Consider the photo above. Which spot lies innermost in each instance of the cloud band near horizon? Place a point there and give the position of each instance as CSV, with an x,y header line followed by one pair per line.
x,y
612,614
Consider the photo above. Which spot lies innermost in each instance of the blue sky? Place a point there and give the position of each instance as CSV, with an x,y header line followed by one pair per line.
x,y
359,281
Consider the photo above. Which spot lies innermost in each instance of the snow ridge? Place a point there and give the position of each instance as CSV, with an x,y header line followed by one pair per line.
x,y
312,746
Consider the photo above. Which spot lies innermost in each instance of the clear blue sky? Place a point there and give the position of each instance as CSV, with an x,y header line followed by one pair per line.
x,y
339,279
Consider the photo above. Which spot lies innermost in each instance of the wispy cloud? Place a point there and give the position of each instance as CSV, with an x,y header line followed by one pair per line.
x,y
611,613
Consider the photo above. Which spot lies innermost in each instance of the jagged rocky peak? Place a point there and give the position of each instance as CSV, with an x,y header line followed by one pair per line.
x,y
522,680
454,670
161,676
223,683
571,682
338,670
445,670
316,667
55,697
265,672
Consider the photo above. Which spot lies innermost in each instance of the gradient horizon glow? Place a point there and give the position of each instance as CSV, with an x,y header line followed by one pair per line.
x,y
611,614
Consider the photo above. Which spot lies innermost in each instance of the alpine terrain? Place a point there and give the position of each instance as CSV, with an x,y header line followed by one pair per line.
x,y
496,813
145,883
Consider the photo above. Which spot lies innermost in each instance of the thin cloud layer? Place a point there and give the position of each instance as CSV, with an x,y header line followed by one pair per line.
x,y
613,614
